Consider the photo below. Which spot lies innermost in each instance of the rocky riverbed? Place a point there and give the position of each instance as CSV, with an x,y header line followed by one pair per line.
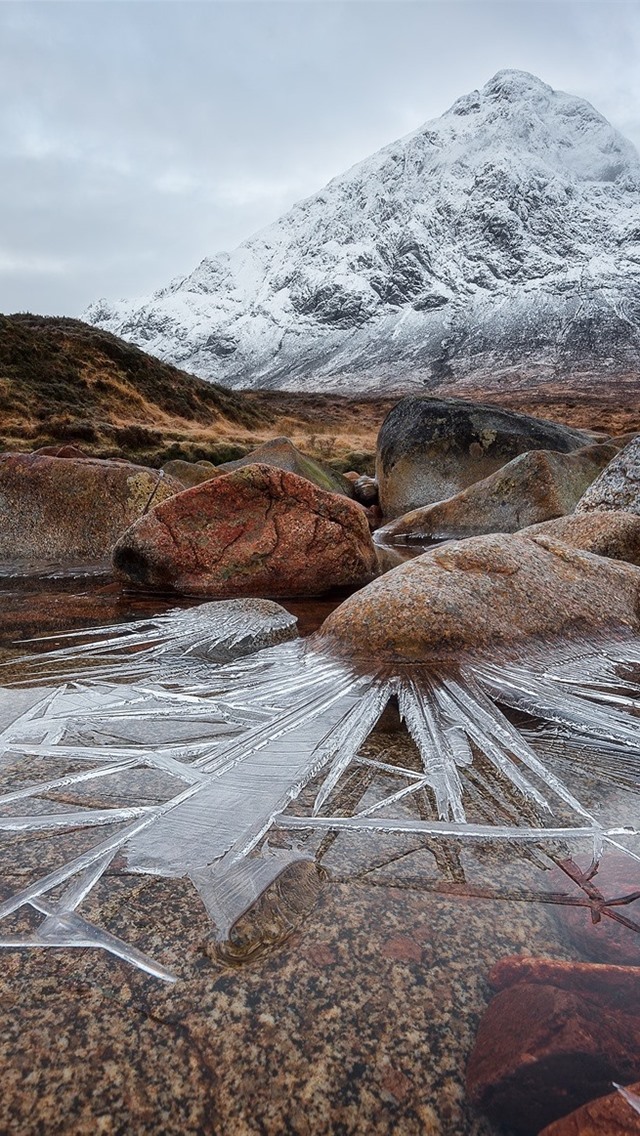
x,y
434,950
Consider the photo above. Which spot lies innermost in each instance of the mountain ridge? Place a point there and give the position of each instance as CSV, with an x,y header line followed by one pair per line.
x,y
497,243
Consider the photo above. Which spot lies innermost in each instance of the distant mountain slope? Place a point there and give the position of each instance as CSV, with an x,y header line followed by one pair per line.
x,y
498,243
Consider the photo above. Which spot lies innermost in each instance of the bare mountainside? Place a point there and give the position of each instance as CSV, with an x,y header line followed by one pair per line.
x,y
494,248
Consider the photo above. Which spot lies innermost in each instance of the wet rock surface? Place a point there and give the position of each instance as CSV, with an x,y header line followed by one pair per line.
x,y
615,534
591,929
553,1038
430,448
534,487
618,486
257,531
53,507
493,589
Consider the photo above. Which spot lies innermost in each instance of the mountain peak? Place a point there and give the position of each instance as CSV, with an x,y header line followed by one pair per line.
x,y
502,236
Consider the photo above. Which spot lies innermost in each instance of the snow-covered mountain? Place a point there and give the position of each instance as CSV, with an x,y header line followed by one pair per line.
x,y
498,243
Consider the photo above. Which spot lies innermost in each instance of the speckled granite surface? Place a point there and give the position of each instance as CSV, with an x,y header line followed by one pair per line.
x,y
345,1007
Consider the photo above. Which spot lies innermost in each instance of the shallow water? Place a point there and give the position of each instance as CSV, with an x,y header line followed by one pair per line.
x,y
346,1000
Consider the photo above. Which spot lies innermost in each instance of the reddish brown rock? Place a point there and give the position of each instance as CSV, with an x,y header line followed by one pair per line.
x,y
533,487
482,592
615,534
619,983
602,931
543,1050
256,531
608,1116
61,508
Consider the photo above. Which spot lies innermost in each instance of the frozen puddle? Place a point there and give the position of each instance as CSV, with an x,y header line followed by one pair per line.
x,y
210,744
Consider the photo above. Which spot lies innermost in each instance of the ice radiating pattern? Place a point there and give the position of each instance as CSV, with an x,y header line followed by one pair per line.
x,y
183,747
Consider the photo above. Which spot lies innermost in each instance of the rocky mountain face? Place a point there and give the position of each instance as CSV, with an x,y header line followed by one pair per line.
x,y
498,245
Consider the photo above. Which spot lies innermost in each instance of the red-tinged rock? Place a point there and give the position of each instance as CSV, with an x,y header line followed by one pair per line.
x,y
257,531
607,939
620,984
542,1052
612,1115
54,508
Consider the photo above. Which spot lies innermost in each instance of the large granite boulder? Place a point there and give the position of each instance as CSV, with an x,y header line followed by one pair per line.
x,y
554,1036
280,453
613,534
484,591
60,508
533,487
257,531
613,1115
618,486
431,448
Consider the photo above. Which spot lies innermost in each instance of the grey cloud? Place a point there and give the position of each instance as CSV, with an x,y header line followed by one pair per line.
x,y
136,138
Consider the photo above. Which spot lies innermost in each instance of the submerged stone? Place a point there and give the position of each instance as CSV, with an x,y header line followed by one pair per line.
x,y
257,531
550,1042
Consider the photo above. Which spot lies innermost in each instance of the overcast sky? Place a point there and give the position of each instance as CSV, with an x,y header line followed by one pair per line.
x,y
136,138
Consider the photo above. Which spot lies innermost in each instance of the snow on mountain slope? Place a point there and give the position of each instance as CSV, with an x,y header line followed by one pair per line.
x,y
499,242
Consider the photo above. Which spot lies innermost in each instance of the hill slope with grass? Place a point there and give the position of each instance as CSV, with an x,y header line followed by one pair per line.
x,y
62,381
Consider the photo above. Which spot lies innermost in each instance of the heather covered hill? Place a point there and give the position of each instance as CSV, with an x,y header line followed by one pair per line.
x,y
64,381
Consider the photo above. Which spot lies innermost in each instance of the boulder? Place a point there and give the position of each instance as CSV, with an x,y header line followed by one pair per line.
x,y
618,486
533,487
612,1115
280,453
430,448
549,1042
483,592
614,534
257,531
191,473
54,508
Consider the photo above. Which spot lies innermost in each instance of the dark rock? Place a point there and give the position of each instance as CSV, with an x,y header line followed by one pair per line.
x,y
280,453
485,591
365,490
543,1048
257,531
618,486
613,534
60,508
533,487
431,448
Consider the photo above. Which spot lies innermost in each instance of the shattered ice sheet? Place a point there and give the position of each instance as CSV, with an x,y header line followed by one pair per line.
x,y
223,774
